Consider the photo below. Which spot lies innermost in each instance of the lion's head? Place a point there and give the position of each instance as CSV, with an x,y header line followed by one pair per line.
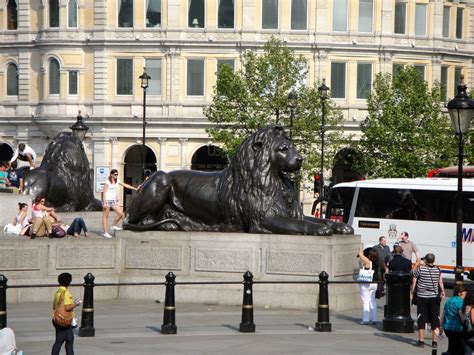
x,y
259,179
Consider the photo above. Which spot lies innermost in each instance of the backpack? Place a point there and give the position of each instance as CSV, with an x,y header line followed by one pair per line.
x,y
58,232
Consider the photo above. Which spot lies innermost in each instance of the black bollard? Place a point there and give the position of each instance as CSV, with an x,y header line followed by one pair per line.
x,y
397,318
169,314
87,320
247,325
323,324
3,301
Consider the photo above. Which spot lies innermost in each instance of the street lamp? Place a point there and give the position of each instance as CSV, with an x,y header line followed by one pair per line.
x,y
323,94
79,129
461,110
292,102
144,84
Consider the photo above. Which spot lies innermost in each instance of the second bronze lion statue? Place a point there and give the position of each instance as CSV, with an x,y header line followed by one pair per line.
x,y
255,194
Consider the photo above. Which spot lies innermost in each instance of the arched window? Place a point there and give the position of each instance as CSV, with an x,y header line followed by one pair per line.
x,y
54,77
72,13
12,80
53,13
12,15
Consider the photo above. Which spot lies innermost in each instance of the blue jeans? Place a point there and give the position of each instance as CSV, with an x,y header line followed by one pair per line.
x,y
63,335
77,226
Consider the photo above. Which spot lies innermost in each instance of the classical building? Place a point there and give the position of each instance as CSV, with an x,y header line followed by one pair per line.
x,y
58,57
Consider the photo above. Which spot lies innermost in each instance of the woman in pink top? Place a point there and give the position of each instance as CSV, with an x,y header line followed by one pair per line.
x,y
43,218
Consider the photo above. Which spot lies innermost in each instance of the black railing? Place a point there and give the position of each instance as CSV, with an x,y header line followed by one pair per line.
x,y
397,311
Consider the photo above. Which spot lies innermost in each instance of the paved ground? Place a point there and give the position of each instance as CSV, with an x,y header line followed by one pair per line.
x,y
130,327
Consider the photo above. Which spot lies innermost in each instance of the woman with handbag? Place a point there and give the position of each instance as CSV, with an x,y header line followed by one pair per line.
x,y
370,271
63,305
451,321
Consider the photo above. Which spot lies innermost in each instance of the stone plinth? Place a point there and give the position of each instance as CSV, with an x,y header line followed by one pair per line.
x,y
192,256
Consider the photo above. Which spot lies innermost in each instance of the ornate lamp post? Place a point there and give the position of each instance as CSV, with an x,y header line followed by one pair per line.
x,y
79,129
144,84
292,102
461,111
323,94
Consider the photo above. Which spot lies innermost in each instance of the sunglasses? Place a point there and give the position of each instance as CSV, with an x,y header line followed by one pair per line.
x,y
115,175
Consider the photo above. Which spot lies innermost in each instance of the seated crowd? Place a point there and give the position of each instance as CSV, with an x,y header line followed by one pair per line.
x,y
44,222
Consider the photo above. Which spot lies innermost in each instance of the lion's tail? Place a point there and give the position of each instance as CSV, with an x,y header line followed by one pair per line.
x,y
147,227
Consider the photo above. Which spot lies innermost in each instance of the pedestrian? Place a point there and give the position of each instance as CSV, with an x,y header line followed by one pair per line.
x,y
26,154
430,290
398,263
110,201
383,251
451,321
367,290
468,314
408,247
64,334
8,342
316,205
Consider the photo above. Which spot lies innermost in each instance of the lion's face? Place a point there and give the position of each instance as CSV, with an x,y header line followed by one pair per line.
x,y
284,156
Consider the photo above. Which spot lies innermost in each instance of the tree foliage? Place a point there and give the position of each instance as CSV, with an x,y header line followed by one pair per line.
x,y
257,95
406,133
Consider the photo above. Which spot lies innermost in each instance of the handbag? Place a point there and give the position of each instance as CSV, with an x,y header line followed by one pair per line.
x,y
366,275
61,316
380,291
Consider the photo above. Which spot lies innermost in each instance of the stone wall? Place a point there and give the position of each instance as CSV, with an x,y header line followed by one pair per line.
x,y
149,256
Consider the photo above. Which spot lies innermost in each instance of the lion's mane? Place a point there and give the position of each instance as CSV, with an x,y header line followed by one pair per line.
x,y
252,188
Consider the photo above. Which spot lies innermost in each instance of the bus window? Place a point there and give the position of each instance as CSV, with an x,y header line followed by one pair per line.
x,y
340,203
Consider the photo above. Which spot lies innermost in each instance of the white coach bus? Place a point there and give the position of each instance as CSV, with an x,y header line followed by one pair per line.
x,y
423,207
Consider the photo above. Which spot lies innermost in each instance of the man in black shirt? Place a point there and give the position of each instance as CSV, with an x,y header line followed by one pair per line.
x,y
398,262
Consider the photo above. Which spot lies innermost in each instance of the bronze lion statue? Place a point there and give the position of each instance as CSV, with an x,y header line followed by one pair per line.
x,y
254,194
64,176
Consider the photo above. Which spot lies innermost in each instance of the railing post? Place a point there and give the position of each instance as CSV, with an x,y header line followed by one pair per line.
x,y
397,317
87,320
3,301
169,314
323,324
247,325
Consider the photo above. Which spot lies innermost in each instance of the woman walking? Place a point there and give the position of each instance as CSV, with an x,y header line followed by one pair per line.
x,y
451,321
367,291
110,201
64,334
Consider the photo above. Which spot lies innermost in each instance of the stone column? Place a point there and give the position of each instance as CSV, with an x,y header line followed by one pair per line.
x,y
113,151
435,68
184,150
162,163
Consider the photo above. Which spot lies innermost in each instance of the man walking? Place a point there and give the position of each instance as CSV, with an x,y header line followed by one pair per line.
x,y
383,251
428,283
408,247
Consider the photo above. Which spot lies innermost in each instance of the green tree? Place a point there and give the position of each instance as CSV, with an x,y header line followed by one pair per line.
x,y
257,96
406,132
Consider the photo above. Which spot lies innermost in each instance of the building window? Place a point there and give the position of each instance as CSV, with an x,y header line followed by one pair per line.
x,y
124,76
196,12
299,10
225,14
125,13
395,69
72,13
446,16
400,17
444,83
338,80
73,82
53,13
54,77
269,14
153,69
12,15
459,15
420,19
229,62
12,80
339,15
195,77
421,70
365,15
364,80
153,13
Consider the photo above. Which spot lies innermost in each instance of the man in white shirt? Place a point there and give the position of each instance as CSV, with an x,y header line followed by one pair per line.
x,y
24,153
